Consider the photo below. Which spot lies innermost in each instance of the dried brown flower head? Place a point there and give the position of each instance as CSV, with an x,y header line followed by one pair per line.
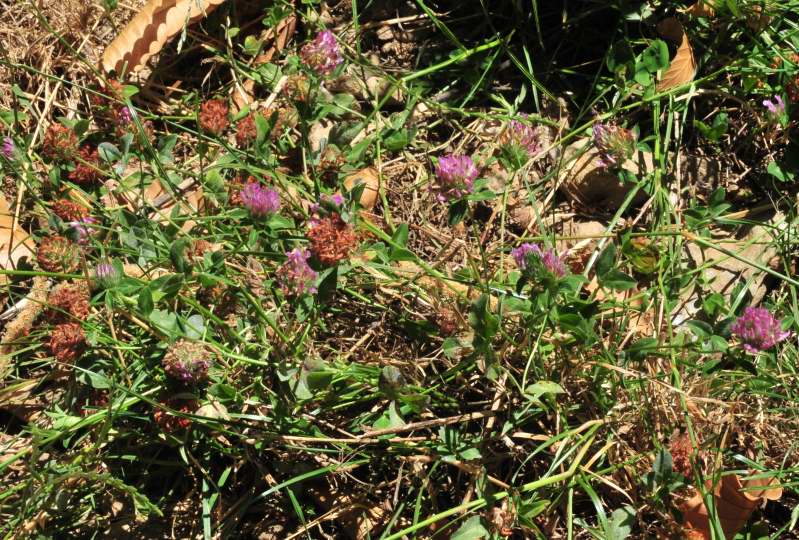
x,y
87,167
332,240
188,361
69,211
67,342
58,254
60,143
235,186
297,87
68,301
682,450
214,116
246,132
171,423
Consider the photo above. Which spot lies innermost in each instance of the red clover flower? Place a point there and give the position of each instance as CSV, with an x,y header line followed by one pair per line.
x,y
322,54
456,175
106,275
522,136
260,201
615,144
295,276
188,362
776,107
8,149
758,329
84,229
525,254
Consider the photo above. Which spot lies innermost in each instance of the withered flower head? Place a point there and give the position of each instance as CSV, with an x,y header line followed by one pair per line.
x,y
245,131
57,254
332,240
87,167
214,116
172,423
69,211
60,143
188,362
68,301
67,342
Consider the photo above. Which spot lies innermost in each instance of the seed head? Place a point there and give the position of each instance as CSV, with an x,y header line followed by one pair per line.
x,y
214,116
188,362
87,167
67,342
60,143
69,211
68,301
332,239
758,330
171,423
58,254
246,132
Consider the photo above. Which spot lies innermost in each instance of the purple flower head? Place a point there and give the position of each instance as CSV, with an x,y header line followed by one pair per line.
x,y
456,175
106,275
327,204
260,201
295,276
322,54
124,116
526,254
758,330
84,229
615,144
523,136
776,107
8,149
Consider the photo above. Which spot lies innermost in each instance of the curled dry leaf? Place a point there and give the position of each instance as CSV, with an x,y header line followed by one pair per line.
x,y
702,8
146,34
371,186
735,501
15,243
683,66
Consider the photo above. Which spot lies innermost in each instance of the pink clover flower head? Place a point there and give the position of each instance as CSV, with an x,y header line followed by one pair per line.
x,y
295,276
456,175
326,205
776,107
125,117
259,200
84,229
615,144
549,260
106,275
758,330
524,136
322,54
8,149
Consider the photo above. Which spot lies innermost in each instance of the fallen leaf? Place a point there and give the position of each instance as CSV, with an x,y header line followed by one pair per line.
x,y
702,8
682,68
371,182
188,198
15,243
734,503
147,33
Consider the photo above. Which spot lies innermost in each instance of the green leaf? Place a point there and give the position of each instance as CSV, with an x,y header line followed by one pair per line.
x,y
471,529
656,56
700,329
663,464
620,524
145,301
642,348
536,390
194,326
777,172
606,260
617,280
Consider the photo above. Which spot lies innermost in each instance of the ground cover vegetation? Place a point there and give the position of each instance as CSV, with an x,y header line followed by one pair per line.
x,y
399,269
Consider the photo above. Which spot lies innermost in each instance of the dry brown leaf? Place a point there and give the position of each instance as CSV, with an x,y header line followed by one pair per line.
x,y
15,243
371,182
146,34
702,8
683,66
733,505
